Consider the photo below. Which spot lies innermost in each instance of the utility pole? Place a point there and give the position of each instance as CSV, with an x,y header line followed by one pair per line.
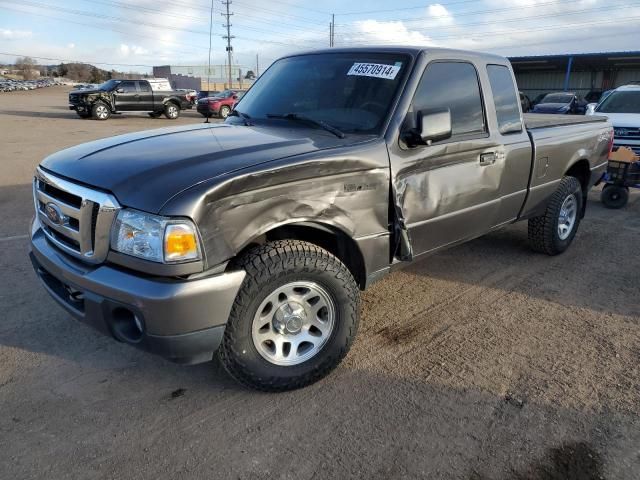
x,y
332,30
228,37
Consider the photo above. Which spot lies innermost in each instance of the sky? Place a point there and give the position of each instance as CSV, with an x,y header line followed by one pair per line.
x,y
133,35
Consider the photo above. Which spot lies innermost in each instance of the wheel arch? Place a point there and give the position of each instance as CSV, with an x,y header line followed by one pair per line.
x,y
581,170
331,238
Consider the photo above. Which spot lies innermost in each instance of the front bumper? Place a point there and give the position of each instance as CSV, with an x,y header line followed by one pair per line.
x,y
180,320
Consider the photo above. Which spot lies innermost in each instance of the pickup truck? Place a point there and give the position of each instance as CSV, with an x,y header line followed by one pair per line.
x,y
253,238
116,96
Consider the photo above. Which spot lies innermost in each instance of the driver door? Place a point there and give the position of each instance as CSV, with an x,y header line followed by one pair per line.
x,y
126,96
449,190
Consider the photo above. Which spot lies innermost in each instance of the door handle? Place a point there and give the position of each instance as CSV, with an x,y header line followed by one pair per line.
x,y
487,159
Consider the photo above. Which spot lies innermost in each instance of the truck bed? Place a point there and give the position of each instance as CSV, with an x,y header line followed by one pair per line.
x,y
533,121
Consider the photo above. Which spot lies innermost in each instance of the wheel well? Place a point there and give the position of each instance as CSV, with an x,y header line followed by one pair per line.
x,y
331,239
582,172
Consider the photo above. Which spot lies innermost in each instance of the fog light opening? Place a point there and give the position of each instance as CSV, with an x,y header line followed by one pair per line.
x,y
126,325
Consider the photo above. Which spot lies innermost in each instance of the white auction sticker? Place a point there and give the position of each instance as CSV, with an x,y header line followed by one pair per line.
x,y
377,70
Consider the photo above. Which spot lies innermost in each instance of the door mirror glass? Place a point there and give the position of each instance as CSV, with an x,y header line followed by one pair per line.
x,y
434,125
591,108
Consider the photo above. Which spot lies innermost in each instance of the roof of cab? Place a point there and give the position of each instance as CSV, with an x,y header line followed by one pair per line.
x,y
411,50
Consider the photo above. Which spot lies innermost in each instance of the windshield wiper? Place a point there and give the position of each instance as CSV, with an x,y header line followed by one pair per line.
x,y
297,117
244,116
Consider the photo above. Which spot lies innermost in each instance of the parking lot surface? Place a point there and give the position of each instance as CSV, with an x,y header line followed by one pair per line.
x,y
486,361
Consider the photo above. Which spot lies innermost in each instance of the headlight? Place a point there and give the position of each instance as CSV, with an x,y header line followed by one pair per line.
x,y
155,238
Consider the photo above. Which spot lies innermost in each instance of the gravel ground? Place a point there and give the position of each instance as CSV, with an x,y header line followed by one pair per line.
x,y
483,362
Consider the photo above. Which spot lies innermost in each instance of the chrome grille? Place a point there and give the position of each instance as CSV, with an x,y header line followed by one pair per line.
x,y
75,218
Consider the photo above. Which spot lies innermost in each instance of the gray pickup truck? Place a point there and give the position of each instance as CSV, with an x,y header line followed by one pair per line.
x,y
253,238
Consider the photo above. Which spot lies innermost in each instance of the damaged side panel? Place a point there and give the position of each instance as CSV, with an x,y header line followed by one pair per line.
x,y
345,190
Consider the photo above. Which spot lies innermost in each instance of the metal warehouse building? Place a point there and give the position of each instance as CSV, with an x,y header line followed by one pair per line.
x,y
578,73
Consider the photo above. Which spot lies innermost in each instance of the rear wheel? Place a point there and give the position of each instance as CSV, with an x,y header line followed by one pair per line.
x,y
553,232
100,111
224,111
171,111
614,196
294,318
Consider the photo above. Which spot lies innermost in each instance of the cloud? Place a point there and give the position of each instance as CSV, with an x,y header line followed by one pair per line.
x,y
372,31
7,34
440,13
127,50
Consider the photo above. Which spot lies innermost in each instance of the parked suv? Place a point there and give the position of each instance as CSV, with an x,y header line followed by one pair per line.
x,y
219,105
116,96
622,106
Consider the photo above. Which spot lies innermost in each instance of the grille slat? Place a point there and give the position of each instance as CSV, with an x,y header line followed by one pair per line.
x,y
73,216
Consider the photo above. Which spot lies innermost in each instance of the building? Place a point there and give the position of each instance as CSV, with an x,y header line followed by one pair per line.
x,y
197,76
580,73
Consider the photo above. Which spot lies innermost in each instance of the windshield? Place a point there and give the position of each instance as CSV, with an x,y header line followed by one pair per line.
x,y
223,94
557,98
108,85
621,102
349,91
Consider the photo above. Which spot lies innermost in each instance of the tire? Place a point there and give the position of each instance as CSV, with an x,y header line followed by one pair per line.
x,y
100,111
171,110
550,233
84,114
224,111
614,196
155,114
297,268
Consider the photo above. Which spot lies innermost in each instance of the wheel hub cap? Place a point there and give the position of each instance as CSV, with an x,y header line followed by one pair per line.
x,y
289,318
567,217
293,323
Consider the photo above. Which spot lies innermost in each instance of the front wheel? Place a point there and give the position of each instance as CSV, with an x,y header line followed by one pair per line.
x,y
224,111
100,111
614,196
294,319
553,232
171,111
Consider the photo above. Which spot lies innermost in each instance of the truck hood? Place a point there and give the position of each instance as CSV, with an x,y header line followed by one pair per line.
x,y
622,119
145,169
84,92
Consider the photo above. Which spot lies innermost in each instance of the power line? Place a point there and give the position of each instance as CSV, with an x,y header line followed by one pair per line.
x,y
517,32
518,19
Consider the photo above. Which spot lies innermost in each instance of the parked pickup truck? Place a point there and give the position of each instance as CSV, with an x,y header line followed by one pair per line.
x,y
253,238
116,96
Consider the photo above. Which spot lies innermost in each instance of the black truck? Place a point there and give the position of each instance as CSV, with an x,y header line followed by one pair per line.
x,y
116,96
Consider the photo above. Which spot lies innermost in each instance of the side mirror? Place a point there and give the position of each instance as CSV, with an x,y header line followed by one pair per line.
x,y
119,90
434,125
235,97
591,108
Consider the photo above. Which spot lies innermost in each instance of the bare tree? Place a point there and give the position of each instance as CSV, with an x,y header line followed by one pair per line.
x,y
26,66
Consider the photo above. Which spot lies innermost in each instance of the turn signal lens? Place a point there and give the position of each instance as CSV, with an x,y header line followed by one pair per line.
x,y
180,243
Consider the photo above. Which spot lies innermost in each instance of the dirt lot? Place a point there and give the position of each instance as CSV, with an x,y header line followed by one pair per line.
x,y
484,362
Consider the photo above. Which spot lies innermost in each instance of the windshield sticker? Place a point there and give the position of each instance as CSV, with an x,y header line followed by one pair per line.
x,y
376,70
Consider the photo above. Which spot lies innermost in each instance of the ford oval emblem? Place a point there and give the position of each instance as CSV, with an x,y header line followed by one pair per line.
x,y
54,213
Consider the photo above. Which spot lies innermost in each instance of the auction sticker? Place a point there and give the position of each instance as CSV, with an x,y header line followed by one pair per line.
x,y
377,70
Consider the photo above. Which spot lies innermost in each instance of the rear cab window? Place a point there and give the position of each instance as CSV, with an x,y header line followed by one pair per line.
x,y
454,85
505,99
